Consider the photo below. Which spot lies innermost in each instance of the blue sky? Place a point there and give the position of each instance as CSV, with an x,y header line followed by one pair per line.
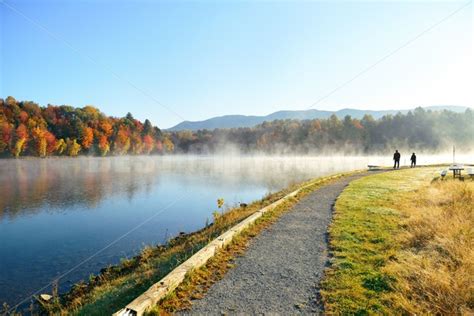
x,y
174,60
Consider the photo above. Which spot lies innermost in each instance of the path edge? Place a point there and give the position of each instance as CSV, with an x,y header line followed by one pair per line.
x,y
172,280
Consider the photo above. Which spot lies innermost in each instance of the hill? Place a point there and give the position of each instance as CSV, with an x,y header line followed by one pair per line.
x,y
233,121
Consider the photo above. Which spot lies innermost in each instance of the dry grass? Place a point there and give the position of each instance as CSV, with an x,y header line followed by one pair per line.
x,y
435,266
402,244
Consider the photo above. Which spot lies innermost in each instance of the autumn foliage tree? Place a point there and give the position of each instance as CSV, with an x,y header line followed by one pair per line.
x,y
168,145
87,137
6,135
51,142
61,146
73,147
21,136
39,141
29,129
148,143
104,146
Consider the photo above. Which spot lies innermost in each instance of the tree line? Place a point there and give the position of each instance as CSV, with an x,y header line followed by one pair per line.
x,y
417,130
27,129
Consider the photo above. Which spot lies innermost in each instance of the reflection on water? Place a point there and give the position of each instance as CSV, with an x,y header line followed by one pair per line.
x,y
54,213
29,186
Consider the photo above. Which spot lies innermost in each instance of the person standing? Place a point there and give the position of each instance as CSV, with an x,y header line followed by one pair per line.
x,y
413,160
396,160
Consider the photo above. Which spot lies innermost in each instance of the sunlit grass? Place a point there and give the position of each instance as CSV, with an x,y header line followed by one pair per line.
x,y
435,266
402,244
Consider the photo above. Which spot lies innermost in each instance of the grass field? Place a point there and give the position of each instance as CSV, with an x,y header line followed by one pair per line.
x,y
402,243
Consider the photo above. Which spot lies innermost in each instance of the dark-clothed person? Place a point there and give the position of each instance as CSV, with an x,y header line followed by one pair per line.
x,y
413,160
396,160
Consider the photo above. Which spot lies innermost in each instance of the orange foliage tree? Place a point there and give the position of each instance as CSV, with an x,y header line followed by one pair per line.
x,y
40,143
87,137
122,141
104,146
148,143
6,135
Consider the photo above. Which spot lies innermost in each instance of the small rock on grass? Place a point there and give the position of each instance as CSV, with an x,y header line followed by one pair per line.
x,y
45,297
299,306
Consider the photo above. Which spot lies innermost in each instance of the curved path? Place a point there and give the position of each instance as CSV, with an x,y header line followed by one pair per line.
x,y
281,269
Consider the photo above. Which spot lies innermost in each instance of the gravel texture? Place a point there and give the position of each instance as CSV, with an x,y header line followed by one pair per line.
x,y
281,269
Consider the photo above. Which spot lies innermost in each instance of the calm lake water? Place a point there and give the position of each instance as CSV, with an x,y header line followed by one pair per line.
x,y
76,216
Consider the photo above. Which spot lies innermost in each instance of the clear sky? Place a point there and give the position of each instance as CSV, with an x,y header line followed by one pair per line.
x,y
207,58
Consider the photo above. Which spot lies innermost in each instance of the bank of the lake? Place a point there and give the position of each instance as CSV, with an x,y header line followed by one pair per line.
x,y
117,285
57,212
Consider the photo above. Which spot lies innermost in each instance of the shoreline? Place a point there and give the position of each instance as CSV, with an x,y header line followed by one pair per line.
x,y
177,250
167,285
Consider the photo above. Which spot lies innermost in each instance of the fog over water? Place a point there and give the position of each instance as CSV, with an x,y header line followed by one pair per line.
x,y
56,212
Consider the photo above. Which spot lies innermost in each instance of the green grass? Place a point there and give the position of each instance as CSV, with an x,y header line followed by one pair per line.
x,y
362,240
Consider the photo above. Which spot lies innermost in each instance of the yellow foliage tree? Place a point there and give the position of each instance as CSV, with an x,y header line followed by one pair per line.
x,y
19,147
73,148
61,146
40,141
168,145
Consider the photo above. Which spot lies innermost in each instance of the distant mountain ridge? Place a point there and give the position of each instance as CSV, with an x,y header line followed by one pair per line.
x,y
233,121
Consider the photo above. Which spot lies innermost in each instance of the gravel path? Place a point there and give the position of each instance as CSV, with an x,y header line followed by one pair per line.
x,y
281,269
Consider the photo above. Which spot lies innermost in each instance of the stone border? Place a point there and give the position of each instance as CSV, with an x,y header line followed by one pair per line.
x,y
166,285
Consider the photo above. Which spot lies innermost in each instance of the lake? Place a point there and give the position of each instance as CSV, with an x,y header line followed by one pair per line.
x,y
72,217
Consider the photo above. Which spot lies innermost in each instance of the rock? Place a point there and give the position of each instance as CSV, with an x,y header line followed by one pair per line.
x,y
45,297
299,306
